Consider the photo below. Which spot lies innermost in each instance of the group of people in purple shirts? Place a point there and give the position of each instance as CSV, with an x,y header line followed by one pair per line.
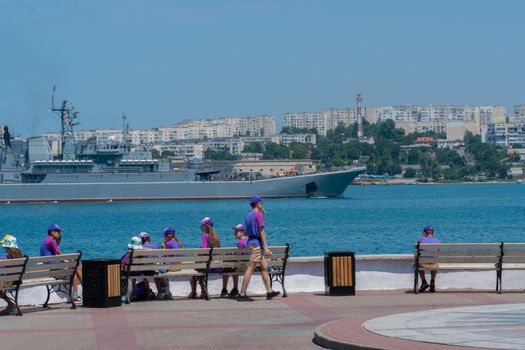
x,y
251,234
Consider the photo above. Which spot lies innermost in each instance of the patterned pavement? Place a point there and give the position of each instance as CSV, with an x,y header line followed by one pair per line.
x,y
283,323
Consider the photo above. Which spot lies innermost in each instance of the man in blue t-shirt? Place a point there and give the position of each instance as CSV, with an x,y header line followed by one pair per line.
x,y
257,241
428,237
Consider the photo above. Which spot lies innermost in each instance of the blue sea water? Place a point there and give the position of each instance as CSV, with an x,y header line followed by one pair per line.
x,y
367,220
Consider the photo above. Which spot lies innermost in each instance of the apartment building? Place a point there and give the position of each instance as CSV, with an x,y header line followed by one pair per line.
x,y
518,114
287,139
309,120
504,134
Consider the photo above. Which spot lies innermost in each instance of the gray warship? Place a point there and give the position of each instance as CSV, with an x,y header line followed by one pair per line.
x,y
86,171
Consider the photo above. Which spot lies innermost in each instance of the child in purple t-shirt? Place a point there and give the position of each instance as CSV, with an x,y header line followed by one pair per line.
x,y
428,237
242,242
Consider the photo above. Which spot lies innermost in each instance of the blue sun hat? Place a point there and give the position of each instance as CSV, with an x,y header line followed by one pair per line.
x,y
9,241
135,243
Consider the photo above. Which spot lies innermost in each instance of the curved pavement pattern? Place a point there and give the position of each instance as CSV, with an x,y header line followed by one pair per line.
x,y
492,326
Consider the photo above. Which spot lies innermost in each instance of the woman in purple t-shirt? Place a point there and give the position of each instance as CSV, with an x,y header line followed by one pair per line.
x,y
209,239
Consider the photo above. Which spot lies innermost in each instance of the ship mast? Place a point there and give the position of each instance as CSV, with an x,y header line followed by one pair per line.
x,y
68,117
125,131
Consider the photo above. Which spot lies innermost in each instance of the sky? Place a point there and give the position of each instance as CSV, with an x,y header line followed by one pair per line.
x,y
164,61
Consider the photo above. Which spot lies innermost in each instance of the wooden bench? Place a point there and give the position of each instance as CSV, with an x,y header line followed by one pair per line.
x,y
198,262
146,263
55,272
233,261
11,272
460,256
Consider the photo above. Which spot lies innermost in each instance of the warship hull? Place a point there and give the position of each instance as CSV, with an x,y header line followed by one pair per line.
x,y
127,187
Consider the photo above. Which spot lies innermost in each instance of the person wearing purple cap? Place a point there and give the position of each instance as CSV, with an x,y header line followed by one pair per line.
x,y
50,246
209,239
170,239
428,237
257,241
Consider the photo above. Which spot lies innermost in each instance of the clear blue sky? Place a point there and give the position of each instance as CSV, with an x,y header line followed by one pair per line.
x,y
163,61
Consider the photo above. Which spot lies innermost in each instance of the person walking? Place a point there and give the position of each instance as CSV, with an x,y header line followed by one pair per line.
x,y
258,243
428,237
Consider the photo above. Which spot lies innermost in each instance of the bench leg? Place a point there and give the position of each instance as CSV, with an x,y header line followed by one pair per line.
x,y
70,295
416,280
15,300
48,288
499,287
285,294
206,286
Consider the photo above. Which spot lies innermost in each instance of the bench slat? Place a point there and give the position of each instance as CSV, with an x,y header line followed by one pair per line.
x,y
168,267
459,245
61,274
11,270
190,251
514,245
12,262
511,259
10,278
461,259
460,253
44,267
40,259
169,259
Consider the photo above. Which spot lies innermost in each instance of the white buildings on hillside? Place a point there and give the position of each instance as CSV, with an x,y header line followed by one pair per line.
x,y
410,117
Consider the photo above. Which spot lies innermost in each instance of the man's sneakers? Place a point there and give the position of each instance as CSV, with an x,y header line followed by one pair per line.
x,y
272,294
424,287
244,298
432,287
269,296
224,293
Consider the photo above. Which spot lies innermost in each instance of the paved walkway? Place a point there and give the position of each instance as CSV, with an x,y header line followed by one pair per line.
x,y
493,326
283,323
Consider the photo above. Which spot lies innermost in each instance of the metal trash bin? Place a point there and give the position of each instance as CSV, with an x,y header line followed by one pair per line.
x,y
339,273
101,283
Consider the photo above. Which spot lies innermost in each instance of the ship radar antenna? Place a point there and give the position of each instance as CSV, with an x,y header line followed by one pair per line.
x,y
68,119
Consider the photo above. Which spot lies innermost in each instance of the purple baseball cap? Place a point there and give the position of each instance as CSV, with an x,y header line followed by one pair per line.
x,y
169,231
143,234
207,221
55,227
255,200
238,228
428,228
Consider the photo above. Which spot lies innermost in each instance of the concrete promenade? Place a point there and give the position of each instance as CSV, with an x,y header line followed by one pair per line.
x,y
283,323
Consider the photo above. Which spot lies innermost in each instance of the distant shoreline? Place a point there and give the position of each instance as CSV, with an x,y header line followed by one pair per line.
x,y
405,182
